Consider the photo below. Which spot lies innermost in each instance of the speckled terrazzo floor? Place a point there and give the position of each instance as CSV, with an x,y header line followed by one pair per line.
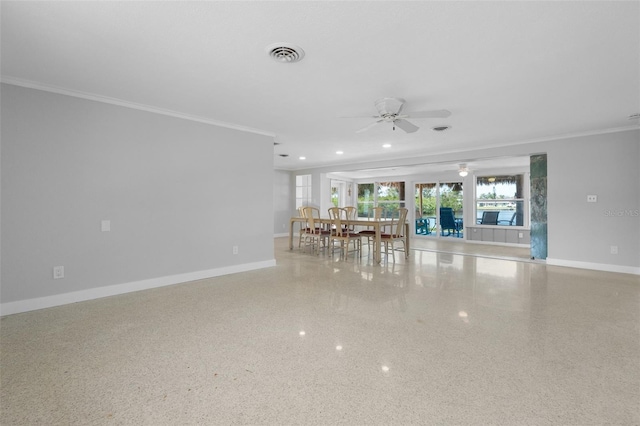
x,y
442,339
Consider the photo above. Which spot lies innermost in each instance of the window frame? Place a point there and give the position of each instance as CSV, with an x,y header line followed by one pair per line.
x,y
523,200
303,190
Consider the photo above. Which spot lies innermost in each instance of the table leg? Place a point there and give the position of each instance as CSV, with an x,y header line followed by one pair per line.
x,y
378,253
406,239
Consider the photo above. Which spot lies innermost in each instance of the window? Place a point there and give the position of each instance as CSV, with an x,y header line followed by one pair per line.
x,y
504,195
389,195
303,190
425,200
451,196
366,199
335,195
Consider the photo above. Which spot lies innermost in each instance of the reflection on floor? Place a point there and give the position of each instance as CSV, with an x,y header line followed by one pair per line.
x,y
439,338
457,246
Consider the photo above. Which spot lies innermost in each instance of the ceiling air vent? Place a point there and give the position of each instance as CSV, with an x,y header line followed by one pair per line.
x,y
283,155
440,128
285,52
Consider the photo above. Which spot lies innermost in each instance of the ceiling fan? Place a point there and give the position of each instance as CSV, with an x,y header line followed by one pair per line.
x,y
390,111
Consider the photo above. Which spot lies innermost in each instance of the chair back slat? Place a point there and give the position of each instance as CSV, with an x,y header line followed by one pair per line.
x,y
339,220
376,212
312,214
399,217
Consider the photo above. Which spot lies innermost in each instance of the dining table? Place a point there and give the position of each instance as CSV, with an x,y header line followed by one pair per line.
x,y
376,224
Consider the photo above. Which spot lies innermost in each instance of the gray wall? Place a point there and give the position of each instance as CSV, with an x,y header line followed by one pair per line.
x,y
603,165
283,201
179,195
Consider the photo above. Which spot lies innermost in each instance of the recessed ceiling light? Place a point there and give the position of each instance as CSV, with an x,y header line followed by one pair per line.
x,y
339,152
440,128
386,145
285,52
302,158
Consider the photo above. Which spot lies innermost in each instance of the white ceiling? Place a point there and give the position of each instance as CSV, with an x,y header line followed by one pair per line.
x,y
508,71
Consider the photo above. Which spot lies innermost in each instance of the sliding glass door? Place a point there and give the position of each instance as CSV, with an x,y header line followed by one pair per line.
x,y
426,200
439,210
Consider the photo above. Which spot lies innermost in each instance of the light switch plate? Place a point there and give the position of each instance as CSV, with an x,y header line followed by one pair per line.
x,y
592,198
105,225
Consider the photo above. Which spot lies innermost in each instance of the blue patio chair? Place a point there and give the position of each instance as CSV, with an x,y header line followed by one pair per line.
x,y
508,222
489,218
448,222
422,226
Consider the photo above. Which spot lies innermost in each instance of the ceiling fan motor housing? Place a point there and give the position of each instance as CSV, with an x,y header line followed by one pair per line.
x,y
389,106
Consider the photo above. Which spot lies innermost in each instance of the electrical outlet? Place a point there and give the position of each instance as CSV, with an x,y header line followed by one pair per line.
x,y
520,235
58,272
614,249
592,198
235,249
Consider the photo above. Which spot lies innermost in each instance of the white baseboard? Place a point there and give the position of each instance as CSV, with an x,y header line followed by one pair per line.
x,y
594,266
113,290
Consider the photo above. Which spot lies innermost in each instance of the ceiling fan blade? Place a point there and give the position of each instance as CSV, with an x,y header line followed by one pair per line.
x,y
389,105
360,116
438,113
406,126
364,129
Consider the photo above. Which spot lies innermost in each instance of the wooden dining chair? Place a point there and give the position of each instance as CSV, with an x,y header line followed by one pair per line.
x,y
352,214
370,232
397,233
303,225
314,234
340,231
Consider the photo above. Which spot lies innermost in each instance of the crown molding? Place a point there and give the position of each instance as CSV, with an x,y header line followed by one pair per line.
x,y
119,102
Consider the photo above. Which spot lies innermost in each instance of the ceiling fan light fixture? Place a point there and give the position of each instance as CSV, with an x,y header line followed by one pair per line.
x,y
285,52
463,170
391,110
